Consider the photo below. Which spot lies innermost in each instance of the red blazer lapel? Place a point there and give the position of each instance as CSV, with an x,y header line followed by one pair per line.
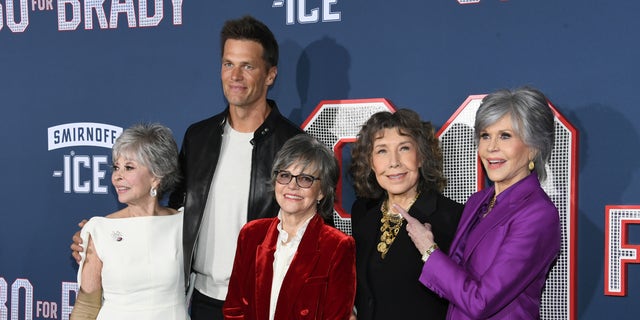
x,y
302,265
264,270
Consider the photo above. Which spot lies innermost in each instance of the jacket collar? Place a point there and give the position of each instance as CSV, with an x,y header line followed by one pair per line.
x,y
506,201
266,128
303,263
425,206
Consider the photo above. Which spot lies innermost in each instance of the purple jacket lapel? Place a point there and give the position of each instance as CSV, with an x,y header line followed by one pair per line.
x,y
505,203
471,208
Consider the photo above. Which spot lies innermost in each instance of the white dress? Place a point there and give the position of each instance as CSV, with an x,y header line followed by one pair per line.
x,y
142,266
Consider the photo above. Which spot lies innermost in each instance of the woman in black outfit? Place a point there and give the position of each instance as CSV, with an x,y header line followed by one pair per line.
x,y
397,160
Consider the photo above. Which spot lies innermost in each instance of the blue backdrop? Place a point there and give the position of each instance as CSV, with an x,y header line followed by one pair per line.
x,y
102,65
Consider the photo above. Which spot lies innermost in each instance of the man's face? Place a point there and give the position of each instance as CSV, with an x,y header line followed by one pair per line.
x,y
245,75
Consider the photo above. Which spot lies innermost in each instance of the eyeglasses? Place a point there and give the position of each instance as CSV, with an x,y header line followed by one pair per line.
x,y
302,180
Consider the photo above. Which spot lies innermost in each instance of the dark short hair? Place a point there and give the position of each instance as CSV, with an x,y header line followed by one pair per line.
x,y
154,147
408,123
249,28
307,152
532,119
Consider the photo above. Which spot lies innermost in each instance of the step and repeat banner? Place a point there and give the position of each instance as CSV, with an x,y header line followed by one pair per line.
x,y
75,73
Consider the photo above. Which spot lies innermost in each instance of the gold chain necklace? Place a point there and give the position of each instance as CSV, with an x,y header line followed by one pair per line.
x,y
391,224
490,206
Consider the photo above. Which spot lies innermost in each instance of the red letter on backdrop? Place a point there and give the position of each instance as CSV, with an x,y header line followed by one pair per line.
x,y
618,252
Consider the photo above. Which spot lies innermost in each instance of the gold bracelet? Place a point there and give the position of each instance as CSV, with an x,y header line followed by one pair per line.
x,y
429,251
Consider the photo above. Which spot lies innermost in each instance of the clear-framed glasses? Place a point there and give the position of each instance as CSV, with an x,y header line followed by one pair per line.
x,y
302,180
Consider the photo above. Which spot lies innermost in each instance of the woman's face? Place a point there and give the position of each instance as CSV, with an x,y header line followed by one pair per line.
x,y
296,200
504,155
395,162
132,181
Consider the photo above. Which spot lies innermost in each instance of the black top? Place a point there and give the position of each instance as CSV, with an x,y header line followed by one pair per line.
x,y
389,288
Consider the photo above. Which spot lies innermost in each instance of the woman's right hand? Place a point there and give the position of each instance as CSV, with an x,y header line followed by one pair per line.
x,y
76,247
419,233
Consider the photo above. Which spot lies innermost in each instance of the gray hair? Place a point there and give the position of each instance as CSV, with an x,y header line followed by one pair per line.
x,y
531,117
154,147
307,152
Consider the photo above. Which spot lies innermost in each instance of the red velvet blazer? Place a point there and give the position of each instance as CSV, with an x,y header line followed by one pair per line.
x,y
320,282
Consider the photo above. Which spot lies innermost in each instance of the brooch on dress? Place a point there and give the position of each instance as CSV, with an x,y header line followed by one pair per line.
x,y
117,236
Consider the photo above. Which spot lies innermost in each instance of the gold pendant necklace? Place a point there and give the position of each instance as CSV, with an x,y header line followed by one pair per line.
x,y
391,224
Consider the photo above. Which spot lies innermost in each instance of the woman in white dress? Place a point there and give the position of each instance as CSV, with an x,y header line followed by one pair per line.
x,y
133,264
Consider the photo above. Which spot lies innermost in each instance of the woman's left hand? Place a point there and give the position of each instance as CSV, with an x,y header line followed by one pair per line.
x,y
419,233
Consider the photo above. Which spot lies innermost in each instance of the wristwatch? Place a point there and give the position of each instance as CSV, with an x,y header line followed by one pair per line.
x,y
429,251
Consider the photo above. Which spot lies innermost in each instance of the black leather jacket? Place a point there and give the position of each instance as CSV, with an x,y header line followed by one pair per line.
x,y
198,160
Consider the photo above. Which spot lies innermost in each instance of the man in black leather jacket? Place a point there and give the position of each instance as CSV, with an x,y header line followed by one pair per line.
x,y
251,124
249,67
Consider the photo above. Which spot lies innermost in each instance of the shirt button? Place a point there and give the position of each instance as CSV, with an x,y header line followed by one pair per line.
x,y
304,312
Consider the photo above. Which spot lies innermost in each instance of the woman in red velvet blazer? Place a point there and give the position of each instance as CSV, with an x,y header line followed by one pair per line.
x,y
294,266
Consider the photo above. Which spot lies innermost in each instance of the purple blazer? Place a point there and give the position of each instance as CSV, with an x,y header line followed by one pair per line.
x,y
501,271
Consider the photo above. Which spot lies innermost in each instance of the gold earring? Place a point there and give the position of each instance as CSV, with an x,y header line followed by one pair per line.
x,y
531,165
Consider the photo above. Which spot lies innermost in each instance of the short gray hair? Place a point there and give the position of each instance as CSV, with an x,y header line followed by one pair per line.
x,y
307,152
154,147
531,117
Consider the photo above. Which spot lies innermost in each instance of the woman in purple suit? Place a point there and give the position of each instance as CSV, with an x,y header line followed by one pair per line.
x,y
509,233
